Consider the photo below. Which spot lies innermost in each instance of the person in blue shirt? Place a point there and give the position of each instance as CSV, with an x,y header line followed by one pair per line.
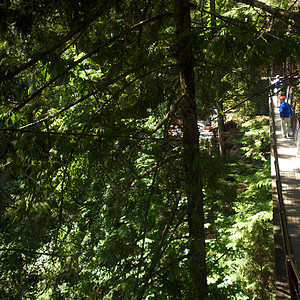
x,y
285,112
276,82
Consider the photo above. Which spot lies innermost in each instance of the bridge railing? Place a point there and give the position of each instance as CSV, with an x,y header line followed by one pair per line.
x,y
296,130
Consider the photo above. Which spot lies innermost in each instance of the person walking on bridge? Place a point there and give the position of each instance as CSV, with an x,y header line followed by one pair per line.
x,y
285,112
276,82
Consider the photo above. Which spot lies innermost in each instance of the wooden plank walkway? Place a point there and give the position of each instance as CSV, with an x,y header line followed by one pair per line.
x,y
289,166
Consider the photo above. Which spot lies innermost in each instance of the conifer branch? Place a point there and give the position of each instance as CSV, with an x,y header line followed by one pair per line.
x,y
275,11
63,40
88,55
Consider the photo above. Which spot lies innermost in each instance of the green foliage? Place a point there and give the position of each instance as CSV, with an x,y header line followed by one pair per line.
x,y
256,138
93,201
241,246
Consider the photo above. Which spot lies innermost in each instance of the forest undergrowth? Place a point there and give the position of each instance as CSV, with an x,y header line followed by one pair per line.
x,y
240,217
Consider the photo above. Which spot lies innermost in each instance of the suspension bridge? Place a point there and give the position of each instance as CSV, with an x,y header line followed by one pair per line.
x,y
285,171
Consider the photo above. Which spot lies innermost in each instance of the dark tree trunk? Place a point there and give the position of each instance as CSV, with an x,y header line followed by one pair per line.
x,y
221,125
217,86
191,150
